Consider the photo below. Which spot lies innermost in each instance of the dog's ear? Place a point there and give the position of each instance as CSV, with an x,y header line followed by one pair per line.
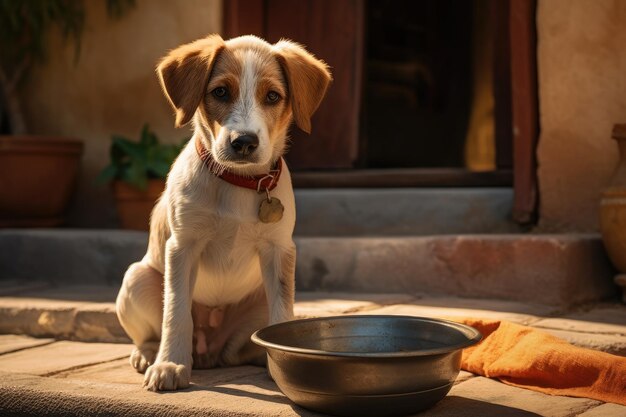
x,y
307,80
184,74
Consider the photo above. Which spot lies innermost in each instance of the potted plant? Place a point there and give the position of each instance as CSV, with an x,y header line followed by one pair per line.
x,y
37,173
138,171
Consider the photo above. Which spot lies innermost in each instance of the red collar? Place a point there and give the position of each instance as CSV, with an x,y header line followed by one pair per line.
x,y
263,182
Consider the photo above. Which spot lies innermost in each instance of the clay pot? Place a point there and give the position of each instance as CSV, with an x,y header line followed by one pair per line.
x,y
613,211
134,206
37,178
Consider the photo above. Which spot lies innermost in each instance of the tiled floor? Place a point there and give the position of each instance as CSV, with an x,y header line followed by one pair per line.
x,y
77,378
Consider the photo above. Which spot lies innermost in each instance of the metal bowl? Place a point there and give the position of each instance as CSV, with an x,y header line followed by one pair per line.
x,y
365,365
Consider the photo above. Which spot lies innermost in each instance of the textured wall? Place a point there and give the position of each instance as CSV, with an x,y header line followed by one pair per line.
x,y
113,87
582,93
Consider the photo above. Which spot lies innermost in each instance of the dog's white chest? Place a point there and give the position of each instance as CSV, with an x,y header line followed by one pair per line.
x,y
229,267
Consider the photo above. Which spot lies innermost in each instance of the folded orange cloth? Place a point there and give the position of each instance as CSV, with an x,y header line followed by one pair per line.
x,y
529,358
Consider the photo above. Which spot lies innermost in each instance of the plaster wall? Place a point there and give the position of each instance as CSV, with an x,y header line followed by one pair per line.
x,y
113,87
582,93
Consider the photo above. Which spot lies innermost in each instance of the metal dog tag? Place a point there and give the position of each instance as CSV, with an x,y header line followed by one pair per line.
x,y
271,210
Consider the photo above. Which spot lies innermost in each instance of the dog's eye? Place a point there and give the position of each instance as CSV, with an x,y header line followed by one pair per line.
x,y
220,93
272,97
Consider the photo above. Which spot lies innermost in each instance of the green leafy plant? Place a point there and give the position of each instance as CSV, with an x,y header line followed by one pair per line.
x,y
136,162
24,26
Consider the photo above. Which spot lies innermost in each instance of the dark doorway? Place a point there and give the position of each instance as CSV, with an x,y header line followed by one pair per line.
x,y
418,83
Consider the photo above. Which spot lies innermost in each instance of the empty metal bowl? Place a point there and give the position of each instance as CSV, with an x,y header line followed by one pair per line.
x,y
365,365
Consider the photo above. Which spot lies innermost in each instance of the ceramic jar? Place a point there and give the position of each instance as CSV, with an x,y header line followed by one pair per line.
x,y
613,212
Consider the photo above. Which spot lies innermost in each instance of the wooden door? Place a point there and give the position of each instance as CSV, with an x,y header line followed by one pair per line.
x,y
333,31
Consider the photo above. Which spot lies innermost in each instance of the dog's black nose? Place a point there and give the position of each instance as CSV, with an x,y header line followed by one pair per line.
x,y
245,144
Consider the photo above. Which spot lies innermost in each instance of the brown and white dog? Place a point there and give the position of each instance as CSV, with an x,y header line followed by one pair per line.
x,y
214,272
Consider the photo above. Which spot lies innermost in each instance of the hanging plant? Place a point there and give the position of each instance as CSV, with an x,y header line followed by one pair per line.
x,y
24,29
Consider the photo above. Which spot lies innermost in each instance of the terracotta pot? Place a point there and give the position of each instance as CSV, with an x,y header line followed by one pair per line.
x,y
37,178
134,206
613,210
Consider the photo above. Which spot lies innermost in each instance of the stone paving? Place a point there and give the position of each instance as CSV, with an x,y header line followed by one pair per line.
x,y
70,377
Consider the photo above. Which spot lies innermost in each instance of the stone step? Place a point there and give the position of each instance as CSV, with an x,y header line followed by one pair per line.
x,y
553,269
87,314
403,211
558,270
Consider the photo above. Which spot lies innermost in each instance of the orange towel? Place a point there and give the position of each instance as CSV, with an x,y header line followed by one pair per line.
x,y
528,358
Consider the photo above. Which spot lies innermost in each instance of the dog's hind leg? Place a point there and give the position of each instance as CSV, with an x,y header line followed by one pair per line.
x,y
140,311
222,335
245,318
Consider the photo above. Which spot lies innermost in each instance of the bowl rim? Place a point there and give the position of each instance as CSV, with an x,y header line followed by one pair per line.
x,y
473,337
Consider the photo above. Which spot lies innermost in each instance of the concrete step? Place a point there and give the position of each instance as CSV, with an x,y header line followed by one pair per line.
x,y
403,211
558,270
87,314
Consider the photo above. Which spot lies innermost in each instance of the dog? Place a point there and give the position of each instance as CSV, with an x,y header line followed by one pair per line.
x,y
220,262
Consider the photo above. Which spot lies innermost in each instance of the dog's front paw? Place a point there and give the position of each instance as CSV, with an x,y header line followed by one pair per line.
x,y
166,376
